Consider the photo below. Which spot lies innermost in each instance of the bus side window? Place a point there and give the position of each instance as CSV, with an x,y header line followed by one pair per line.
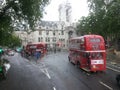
x,y
78,54
75,54
87,54
84,55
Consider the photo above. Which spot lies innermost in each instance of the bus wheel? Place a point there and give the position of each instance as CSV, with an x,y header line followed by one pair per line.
x,y
118,79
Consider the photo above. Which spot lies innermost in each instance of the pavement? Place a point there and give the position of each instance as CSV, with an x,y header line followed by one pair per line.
x,y
113,58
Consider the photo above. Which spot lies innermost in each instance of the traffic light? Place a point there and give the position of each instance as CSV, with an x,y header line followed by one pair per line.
x,y
0,50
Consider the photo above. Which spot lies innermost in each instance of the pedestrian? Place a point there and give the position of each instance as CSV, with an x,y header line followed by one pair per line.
x,y
22,53
37,55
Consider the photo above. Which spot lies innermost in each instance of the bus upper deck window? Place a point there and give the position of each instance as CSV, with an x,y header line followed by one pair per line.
x,y
95,40
82,41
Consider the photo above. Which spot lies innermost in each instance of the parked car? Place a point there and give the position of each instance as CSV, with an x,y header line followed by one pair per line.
x,y
118,79
11,53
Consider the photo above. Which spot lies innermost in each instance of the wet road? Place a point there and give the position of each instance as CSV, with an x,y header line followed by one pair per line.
x,y
54,72
24,75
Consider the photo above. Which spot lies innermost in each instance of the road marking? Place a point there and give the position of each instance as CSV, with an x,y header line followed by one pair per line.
x,y
106,85
113,69
54,88
46,73
44,70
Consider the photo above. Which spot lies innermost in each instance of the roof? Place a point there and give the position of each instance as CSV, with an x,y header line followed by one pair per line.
x,y
93,35
48,24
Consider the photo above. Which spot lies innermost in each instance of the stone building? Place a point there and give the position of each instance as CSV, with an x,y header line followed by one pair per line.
x,y
53,33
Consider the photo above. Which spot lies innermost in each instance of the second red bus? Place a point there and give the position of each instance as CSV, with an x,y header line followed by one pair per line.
x,y
88,52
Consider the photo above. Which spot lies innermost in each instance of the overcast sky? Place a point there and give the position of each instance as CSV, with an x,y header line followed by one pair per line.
x,y
79,9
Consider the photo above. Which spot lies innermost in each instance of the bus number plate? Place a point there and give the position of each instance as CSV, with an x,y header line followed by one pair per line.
x,y
97,62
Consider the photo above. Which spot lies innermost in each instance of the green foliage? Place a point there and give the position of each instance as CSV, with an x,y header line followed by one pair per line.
x,y
15,12
14,41
28,11
10,41
103,19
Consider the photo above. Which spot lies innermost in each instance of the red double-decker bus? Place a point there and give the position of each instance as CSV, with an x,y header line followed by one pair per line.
x,y
88,52
32,47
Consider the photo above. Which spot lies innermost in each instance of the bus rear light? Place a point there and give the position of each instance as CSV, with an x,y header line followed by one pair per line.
x,y
94,66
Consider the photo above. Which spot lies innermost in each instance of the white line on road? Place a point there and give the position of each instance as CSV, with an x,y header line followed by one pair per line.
x,y
54,88
46,73
43,69
113,69
106,85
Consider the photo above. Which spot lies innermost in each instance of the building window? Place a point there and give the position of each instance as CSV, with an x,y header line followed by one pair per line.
x,y
54,39
63,40
46,27
48,39
47,32
39,39
54,33
62,32
40,32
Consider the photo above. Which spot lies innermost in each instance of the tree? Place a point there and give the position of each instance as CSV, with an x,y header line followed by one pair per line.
x,y
17,14
14,41
11,41
103,19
